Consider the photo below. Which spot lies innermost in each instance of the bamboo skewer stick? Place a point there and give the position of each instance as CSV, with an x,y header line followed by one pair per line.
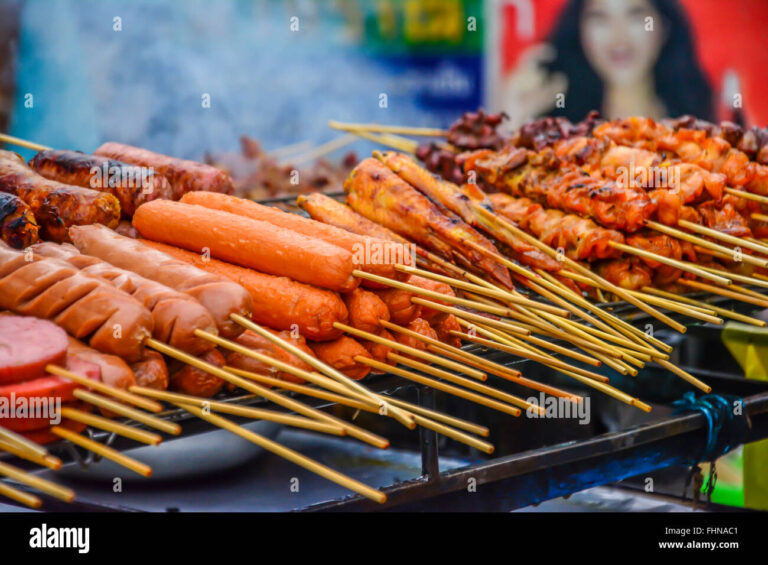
x,y
441,386
759,217
685,375
535,385
747,195
103,388
579,268
136,415
714,234
748,291
22,443
5,138
297,147
271,395
463,382
103,450
472,317
717,309
390,140
362,403
458,351
687,267
498,310
20,496
740,296
50,461
110,426
737,277
289,454
527,353
679,234
498,293
381,128
323,149
461,368
255,413
38,483
397,413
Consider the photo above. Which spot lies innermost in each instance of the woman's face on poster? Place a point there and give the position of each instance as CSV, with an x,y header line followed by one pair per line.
x,y
621,39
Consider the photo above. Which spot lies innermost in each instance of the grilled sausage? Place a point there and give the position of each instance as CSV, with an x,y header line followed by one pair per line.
x,y
248,243
151,371
18,227
56,206
340,354
365,310
85,306
435,286
191,380
379,351
401,310
221,296
131,184
184,176
376,256
443,324
260,344
421,326
278,302
114,371
175,315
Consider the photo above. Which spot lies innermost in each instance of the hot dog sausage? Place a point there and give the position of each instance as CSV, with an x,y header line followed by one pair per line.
x,y
278,302
221,296
175,315
184,176
151,371
113,321
248,243
340,354
191,380
260,344
56,206
421,326
130,184
18,227
365,310
401,310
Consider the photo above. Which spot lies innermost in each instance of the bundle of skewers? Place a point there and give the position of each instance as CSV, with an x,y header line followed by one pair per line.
x,y
221,293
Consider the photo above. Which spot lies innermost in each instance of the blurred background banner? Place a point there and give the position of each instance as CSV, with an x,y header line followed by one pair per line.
x,y
189,78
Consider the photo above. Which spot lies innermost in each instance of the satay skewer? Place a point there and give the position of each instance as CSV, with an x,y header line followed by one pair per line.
x,y
382,128
110,426
103,450
22,443
736,295
38,483
20,496
717,309
136,415
50,461
715,234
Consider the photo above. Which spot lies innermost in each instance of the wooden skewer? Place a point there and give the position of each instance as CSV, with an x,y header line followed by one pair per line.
x,y
580,268
110,426
714,234
439,385
498,310
461,381
136,415
38,483
737,277
103,450
501,324
381,128
749,291
535,385
458,351
483,290
103,388
270,395
50,461
527,353
5,138
361,403
679,234
297,147
412,351
747,195
671,262
759,217
397,413
20,496
255,413
289,454
324,149
22,443
685,375
390,140
740,296
675,306
717,309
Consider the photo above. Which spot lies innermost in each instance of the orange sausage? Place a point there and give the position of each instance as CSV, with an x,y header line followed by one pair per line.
x,y
421,326
340,354
191,380
365,310
401,310
379,351
443,325
278,302
260,344
151,371
435,286
248,243
377,256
